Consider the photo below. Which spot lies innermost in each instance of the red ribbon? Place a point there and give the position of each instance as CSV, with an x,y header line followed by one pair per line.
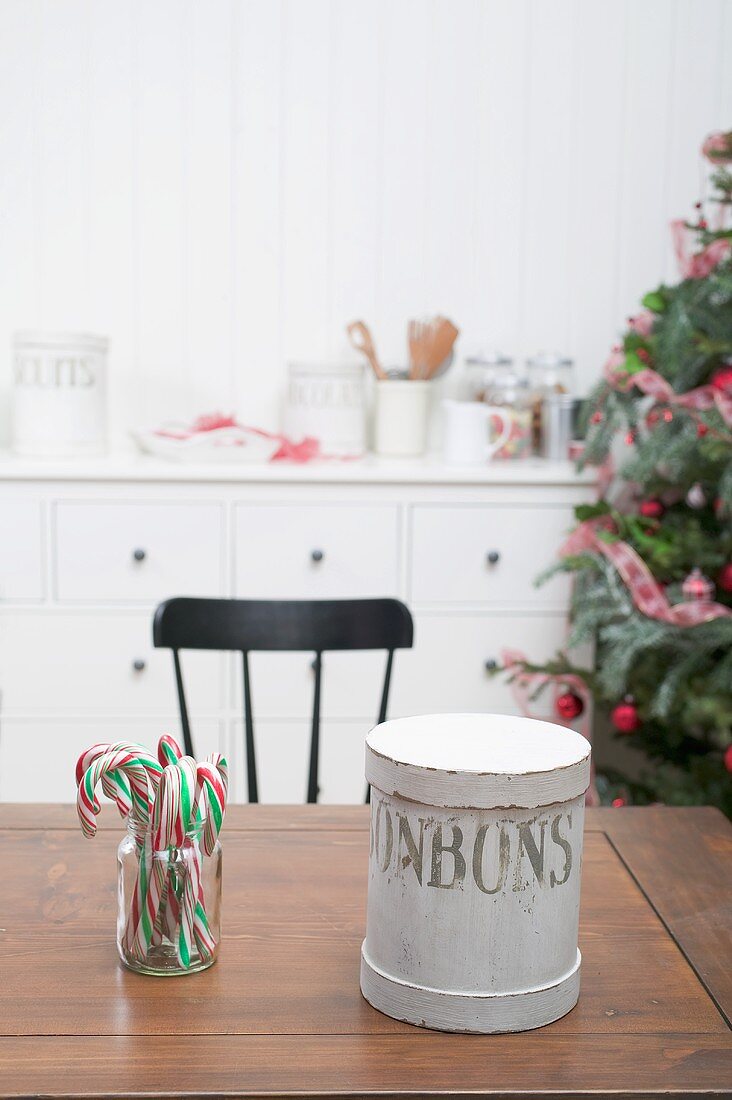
x,y
524,684
304,450
650,382
647,594
696,265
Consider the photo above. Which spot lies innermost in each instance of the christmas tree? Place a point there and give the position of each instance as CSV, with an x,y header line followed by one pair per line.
x,y
652,559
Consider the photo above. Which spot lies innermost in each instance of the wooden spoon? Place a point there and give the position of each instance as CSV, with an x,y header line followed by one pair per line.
x,y
361,340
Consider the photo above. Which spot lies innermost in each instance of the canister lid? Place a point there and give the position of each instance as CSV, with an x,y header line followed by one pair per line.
x,y
85,341
477,760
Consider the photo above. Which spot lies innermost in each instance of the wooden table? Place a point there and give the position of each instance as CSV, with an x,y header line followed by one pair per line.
x,y
281,1012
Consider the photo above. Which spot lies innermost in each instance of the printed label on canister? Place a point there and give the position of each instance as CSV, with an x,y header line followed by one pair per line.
x,y
482,901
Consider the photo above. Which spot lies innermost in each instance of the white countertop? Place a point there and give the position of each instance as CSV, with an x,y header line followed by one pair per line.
x,y
131,466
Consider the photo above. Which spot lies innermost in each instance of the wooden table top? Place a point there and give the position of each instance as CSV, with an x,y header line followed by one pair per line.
x,y
281,1014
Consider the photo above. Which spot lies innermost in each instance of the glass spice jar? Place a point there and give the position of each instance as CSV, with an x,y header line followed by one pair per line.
x,y
169,902
494,381
549,373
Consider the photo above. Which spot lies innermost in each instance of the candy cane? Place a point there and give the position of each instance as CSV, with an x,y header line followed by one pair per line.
x,y
172,811
148,892
115,785
174,804
169,751
190,902
211,790
138,766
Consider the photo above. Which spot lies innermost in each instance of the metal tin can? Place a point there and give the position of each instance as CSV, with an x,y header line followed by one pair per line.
x,y
59,394
474,871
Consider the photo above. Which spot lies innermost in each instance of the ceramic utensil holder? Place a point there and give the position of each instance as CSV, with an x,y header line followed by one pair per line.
x,y
400,423
474,871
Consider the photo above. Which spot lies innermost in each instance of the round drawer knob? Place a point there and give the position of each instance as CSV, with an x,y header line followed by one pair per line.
x,y
139,554
492,557
317,555
138,665
491,665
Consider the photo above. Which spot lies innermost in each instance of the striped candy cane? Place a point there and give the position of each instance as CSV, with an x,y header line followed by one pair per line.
x,y
137,766
114,784
211,791
169,751
171,818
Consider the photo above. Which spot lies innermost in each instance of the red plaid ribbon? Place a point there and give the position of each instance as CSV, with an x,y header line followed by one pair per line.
x,y
647,594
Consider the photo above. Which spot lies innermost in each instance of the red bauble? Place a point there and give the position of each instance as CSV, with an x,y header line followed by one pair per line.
x,y
653,508
697,586
625,716
569,706
617,803
728,758
722,379
724,580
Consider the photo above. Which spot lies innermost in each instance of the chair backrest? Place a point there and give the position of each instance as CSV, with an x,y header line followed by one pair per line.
x,y
249,626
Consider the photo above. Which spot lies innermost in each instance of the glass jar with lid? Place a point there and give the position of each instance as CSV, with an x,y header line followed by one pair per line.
x,y
493,380
549,373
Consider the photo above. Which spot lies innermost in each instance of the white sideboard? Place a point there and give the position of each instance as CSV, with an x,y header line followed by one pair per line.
x,y
88,549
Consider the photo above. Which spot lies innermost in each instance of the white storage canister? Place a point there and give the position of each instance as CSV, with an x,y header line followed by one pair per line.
x,y
474,871
59,394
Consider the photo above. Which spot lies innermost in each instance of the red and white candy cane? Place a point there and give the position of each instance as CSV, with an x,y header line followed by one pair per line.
x,y
174,804
211,791
115,784
137,765
169,751
171,816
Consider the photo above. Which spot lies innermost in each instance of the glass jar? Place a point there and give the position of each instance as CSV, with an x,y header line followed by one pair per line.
x,y
549,372
168,902
494,381
482,370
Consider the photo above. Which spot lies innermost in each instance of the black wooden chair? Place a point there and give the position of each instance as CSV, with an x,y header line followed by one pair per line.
x,y
248,626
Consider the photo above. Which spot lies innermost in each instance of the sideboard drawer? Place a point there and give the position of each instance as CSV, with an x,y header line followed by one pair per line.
x,y
139,551
21,550
487,554
97,662
446,670
327,551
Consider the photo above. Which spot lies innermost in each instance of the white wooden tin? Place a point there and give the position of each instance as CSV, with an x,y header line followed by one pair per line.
x,y
327,403
59,394
474,871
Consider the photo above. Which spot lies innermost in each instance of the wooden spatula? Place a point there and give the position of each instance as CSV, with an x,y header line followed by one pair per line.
x,y
361,340
443,335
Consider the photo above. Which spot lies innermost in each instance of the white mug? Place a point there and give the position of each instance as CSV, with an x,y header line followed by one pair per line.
x,y
467,430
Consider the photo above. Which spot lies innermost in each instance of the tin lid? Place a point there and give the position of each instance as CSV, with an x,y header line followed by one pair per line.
x,y
49,340
549,360
490,358
483,761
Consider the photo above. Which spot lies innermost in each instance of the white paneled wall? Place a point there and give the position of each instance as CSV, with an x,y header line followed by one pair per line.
x,y
220,185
